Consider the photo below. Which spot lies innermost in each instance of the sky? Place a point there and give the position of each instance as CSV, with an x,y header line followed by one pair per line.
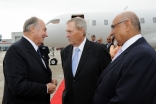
x,y
13,13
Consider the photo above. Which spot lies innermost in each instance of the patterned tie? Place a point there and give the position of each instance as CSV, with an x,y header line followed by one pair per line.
x,y
39,53
117,54
75,61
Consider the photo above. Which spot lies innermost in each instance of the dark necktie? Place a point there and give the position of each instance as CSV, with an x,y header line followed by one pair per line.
x,y
39,53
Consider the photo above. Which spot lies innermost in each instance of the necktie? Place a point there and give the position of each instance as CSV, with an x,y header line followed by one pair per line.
x,y
39,53
117,54
75,61
108,45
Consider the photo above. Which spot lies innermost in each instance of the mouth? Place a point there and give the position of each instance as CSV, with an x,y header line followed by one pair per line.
x,y
113,37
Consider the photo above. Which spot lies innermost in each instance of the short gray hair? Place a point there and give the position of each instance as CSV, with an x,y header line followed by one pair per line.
x,y
134,19
33,21
79,23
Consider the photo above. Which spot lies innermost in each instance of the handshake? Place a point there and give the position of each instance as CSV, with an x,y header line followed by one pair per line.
x,y
51,87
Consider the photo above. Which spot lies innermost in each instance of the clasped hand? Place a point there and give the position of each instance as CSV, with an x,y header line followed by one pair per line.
x,y
52,86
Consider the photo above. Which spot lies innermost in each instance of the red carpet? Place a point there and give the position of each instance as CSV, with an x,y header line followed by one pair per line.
x,y
57,98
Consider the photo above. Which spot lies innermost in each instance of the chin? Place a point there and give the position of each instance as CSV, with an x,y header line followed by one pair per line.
x,y
71,43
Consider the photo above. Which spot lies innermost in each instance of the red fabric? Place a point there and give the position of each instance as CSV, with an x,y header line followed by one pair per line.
x,y
57,98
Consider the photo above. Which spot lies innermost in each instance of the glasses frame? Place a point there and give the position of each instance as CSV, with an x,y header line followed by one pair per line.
x,y
113,26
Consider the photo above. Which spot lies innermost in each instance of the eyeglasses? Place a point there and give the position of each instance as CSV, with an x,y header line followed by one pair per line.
x,y
113,26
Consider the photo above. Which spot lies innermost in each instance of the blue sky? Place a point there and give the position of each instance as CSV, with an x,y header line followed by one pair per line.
x,y
13,13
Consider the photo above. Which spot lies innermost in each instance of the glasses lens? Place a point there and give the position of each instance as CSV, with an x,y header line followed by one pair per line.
x,y
112,26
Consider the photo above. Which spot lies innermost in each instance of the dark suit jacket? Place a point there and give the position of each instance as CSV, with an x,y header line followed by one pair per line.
x,y
80,89
130,78
108,48
25,75
45,51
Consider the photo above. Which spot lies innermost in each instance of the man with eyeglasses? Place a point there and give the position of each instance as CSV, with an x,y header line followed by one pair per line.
x,y
131,77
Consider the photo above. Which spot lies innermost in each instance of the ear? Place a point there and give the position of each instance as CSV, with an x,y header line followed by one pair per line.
x,y
81,31
128,25
32,29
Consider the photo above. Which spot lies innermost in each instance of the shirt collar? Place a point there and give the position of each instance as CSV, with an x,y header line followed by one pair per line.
x,y
130,42
33,44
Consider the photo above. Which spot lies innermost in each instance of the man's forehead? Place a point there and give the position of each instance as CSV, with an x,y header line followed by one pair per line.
x,y
42,23
71,25
117,18
108,37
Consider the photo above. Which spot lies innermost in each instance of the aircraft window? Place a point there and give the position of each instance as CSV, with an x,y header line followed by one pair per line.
x,y
82,16
105,22
142,20
154,19
54,21
94,22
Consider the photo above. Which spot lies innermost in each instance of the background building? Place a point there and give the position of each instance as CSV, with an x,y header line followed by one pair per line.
x,y
4,43
16,36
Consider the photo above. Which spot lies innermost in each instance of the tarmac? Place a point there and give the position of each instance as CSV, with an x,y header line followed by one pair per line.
x,y
57,72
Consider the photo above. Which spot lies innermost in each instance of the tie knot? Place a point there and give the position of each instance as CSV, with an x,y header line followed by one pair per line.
x,y
39,53
77,50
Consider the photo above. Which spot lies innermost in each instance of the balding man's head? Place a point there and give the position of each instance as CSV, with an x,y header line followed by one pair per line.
x,y
124,26
109,39
133,18
99,40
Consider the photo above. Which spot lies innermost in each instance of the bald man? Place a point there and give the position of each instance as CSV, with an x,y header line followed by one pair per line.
x,y
131,77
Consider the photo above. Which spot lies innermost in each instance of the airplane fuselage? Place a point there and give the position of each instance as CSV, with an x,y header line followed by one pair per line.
x,y
99,24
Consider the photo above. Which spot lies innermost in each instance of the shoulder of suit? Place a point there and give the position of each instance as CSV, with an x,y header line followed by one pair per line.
x,y
67,48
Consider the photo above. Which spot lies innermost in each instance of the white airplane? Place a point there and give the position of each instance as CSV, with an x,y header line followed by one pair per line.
x,y
98,24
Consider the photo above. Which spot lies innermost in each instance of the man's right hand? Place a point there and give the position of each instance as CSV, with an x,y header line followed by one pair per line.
x,y
51,88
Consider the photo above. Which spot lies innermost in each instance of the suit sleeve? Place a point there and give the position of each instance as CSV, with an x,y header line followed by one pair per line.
x,y
16,76
138,81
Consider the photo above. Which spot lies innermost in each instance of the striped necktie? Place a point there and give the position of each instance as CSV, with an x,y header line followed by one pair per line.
x,y
39,53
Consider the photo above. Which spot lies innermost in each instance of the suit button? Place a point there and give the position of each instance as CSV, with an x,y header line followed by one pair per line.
x,y
73,80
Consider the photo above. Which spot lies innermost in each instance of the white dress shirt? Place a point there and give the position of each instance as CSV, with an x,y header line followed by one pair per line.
x,y
81,50
127,44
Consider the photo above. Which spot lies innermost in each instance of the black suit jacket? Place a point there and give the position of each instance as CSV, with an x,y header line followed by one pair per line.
x,y
108,48
45,51
130,78
25,75
80,89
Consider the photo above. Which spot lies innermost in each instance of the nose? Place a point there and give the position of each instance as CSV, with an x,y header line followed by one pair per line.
x,y
111,33
67,34
46,35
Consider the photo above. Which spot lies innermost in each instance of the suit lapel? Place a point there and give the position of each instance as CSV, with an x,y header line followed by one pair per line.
x,y
111,65
85,54
69,60
32,51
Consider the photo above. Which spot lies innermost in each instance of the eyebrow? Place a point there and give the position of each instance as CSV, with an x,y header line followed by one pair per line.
x,y
112,26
